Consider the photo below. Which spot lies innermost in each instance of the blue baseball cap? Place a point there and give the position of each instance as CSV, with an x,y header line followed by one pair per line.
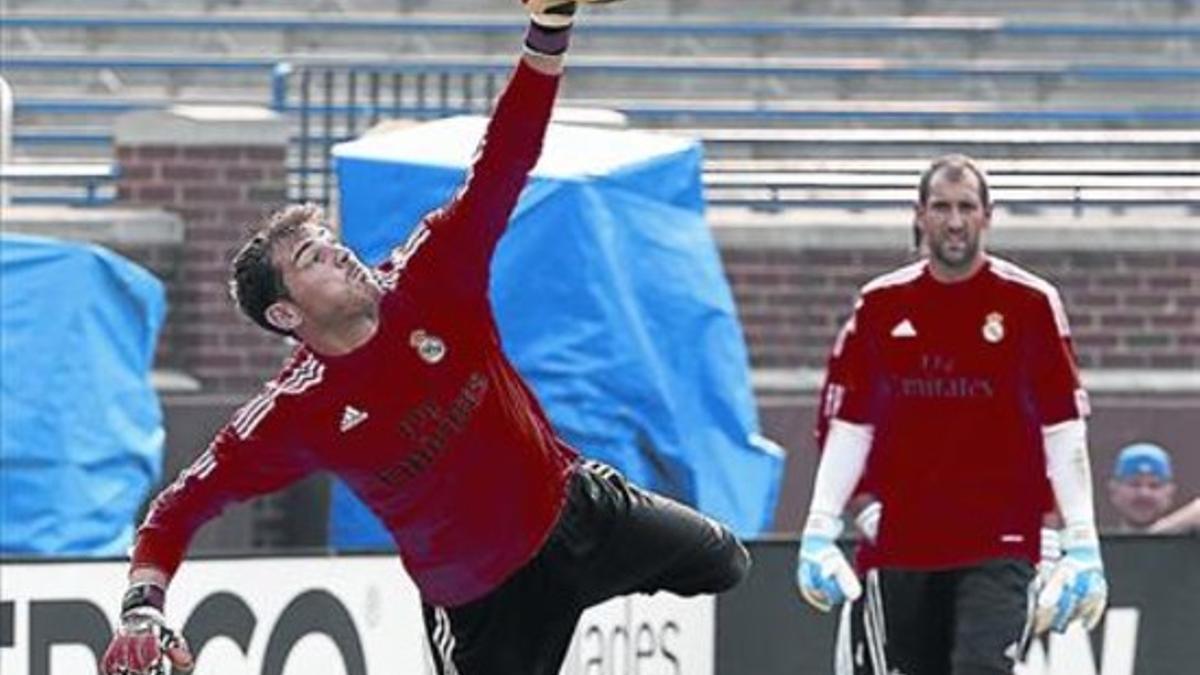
x,y
1143,458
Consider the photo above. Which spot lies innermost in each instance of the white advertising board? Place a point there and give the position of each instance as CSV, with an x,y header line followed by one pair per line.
x,y
312,616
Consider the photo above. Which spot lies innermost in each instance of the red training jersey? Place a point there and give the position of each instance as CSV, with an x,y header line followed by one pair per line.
x,y
957,380
428,422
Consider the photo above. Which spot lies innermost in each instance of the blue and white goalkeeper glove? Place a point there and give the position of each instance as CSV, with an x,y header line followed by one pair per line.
x,y
823,575
1075,588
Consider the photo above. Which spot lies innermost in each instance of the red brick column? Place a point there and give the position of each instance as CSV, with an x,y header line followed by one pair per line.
x,y
220,169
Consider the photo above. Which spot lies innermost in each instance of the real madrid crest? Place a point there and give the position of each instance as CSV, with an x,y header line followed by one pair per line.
x,y
993,327
429,347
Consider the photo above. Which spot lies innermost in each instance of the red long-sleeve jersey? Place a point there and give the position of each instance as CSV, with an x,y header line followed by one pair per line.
x,y
957,381
428,422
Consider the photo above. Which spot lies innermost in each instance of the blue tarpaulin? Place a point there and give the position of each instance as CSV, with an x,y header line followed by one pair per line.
x,y
82,436
611,301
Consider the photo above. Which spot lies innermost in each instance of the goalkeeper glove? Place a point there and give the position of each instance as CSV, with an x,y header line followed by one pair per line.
x,y
556,13
1051,555
1075,588
551,13
823,575
143,639
550,23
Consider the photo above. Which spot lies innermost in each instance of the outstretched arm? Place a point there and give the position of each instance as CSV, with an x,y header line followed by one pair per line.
x,y
473,221
231,469
512,143
1186,519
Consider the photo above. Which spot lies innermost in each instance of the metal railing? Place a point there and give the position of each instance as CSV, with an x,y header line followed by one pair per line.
x,y
333,104
6,115
871,27
70,183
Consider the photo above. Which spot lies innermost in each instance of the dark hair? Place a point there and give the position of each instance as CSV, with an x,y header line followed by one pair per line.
x,y
256,283
954,165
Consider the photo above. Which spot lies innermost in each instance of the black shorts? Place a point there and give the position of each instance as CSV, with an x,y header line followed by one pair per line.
x,y
964,621
612,539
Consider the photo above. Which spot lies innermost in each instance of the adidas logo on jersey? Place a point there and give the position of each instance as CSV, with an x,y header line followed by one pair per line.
x,y
904,329
352,417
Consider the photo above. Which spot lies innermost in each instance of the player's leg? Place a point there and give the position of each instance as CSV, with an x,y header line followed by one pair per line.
x,y
524,627
991,612
909,613
645,542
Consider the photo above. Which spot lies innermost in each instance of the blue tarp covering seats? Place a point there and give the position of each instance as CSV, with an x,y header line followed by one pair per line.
x,y
82,435
611,301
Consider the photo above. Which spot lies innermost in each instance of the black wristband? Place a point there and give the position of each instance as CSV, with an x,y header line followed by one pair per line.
x,y
546,41
144,595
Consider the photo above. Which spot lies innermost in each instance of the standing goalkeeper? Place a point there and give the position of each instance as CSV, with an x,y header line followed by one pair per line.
x,y
956,392
401,388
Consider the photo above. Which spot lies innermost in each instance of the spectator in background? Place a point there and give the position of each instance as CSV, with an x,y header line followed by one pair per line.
x,y
1142,489
1142,486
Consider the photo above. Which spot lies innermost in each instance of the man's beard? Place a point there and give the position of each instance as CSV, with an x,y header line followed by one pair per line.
x,y
957,259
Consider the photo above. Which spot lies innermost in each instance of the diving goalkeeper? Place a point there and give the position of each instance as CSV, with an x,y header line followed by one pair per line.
x,y
400,387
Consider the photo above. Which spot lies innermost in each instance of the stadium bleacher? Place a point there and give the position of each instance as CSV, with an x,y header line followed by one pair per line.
x,y
816,118
770,67
1136,8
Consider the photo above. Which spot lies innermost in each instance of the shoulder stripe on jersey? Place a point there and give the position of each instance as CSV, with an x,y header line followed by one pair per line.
x,y
848,328
204,465
1011,272
896,277
402,254
199,469
306,376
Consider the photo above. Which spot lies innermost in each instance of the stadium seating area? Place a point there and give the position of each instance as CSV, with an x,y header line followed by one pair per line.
x,y
762,78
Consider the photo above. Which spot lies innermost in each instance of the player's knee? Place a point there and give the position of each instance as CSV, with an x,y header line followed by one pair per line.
x,y
736,564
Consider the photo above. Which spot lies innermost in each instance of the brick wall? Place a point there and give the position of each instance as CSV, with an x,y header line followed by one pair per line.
x,y
1128,309
220,176
1132,291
